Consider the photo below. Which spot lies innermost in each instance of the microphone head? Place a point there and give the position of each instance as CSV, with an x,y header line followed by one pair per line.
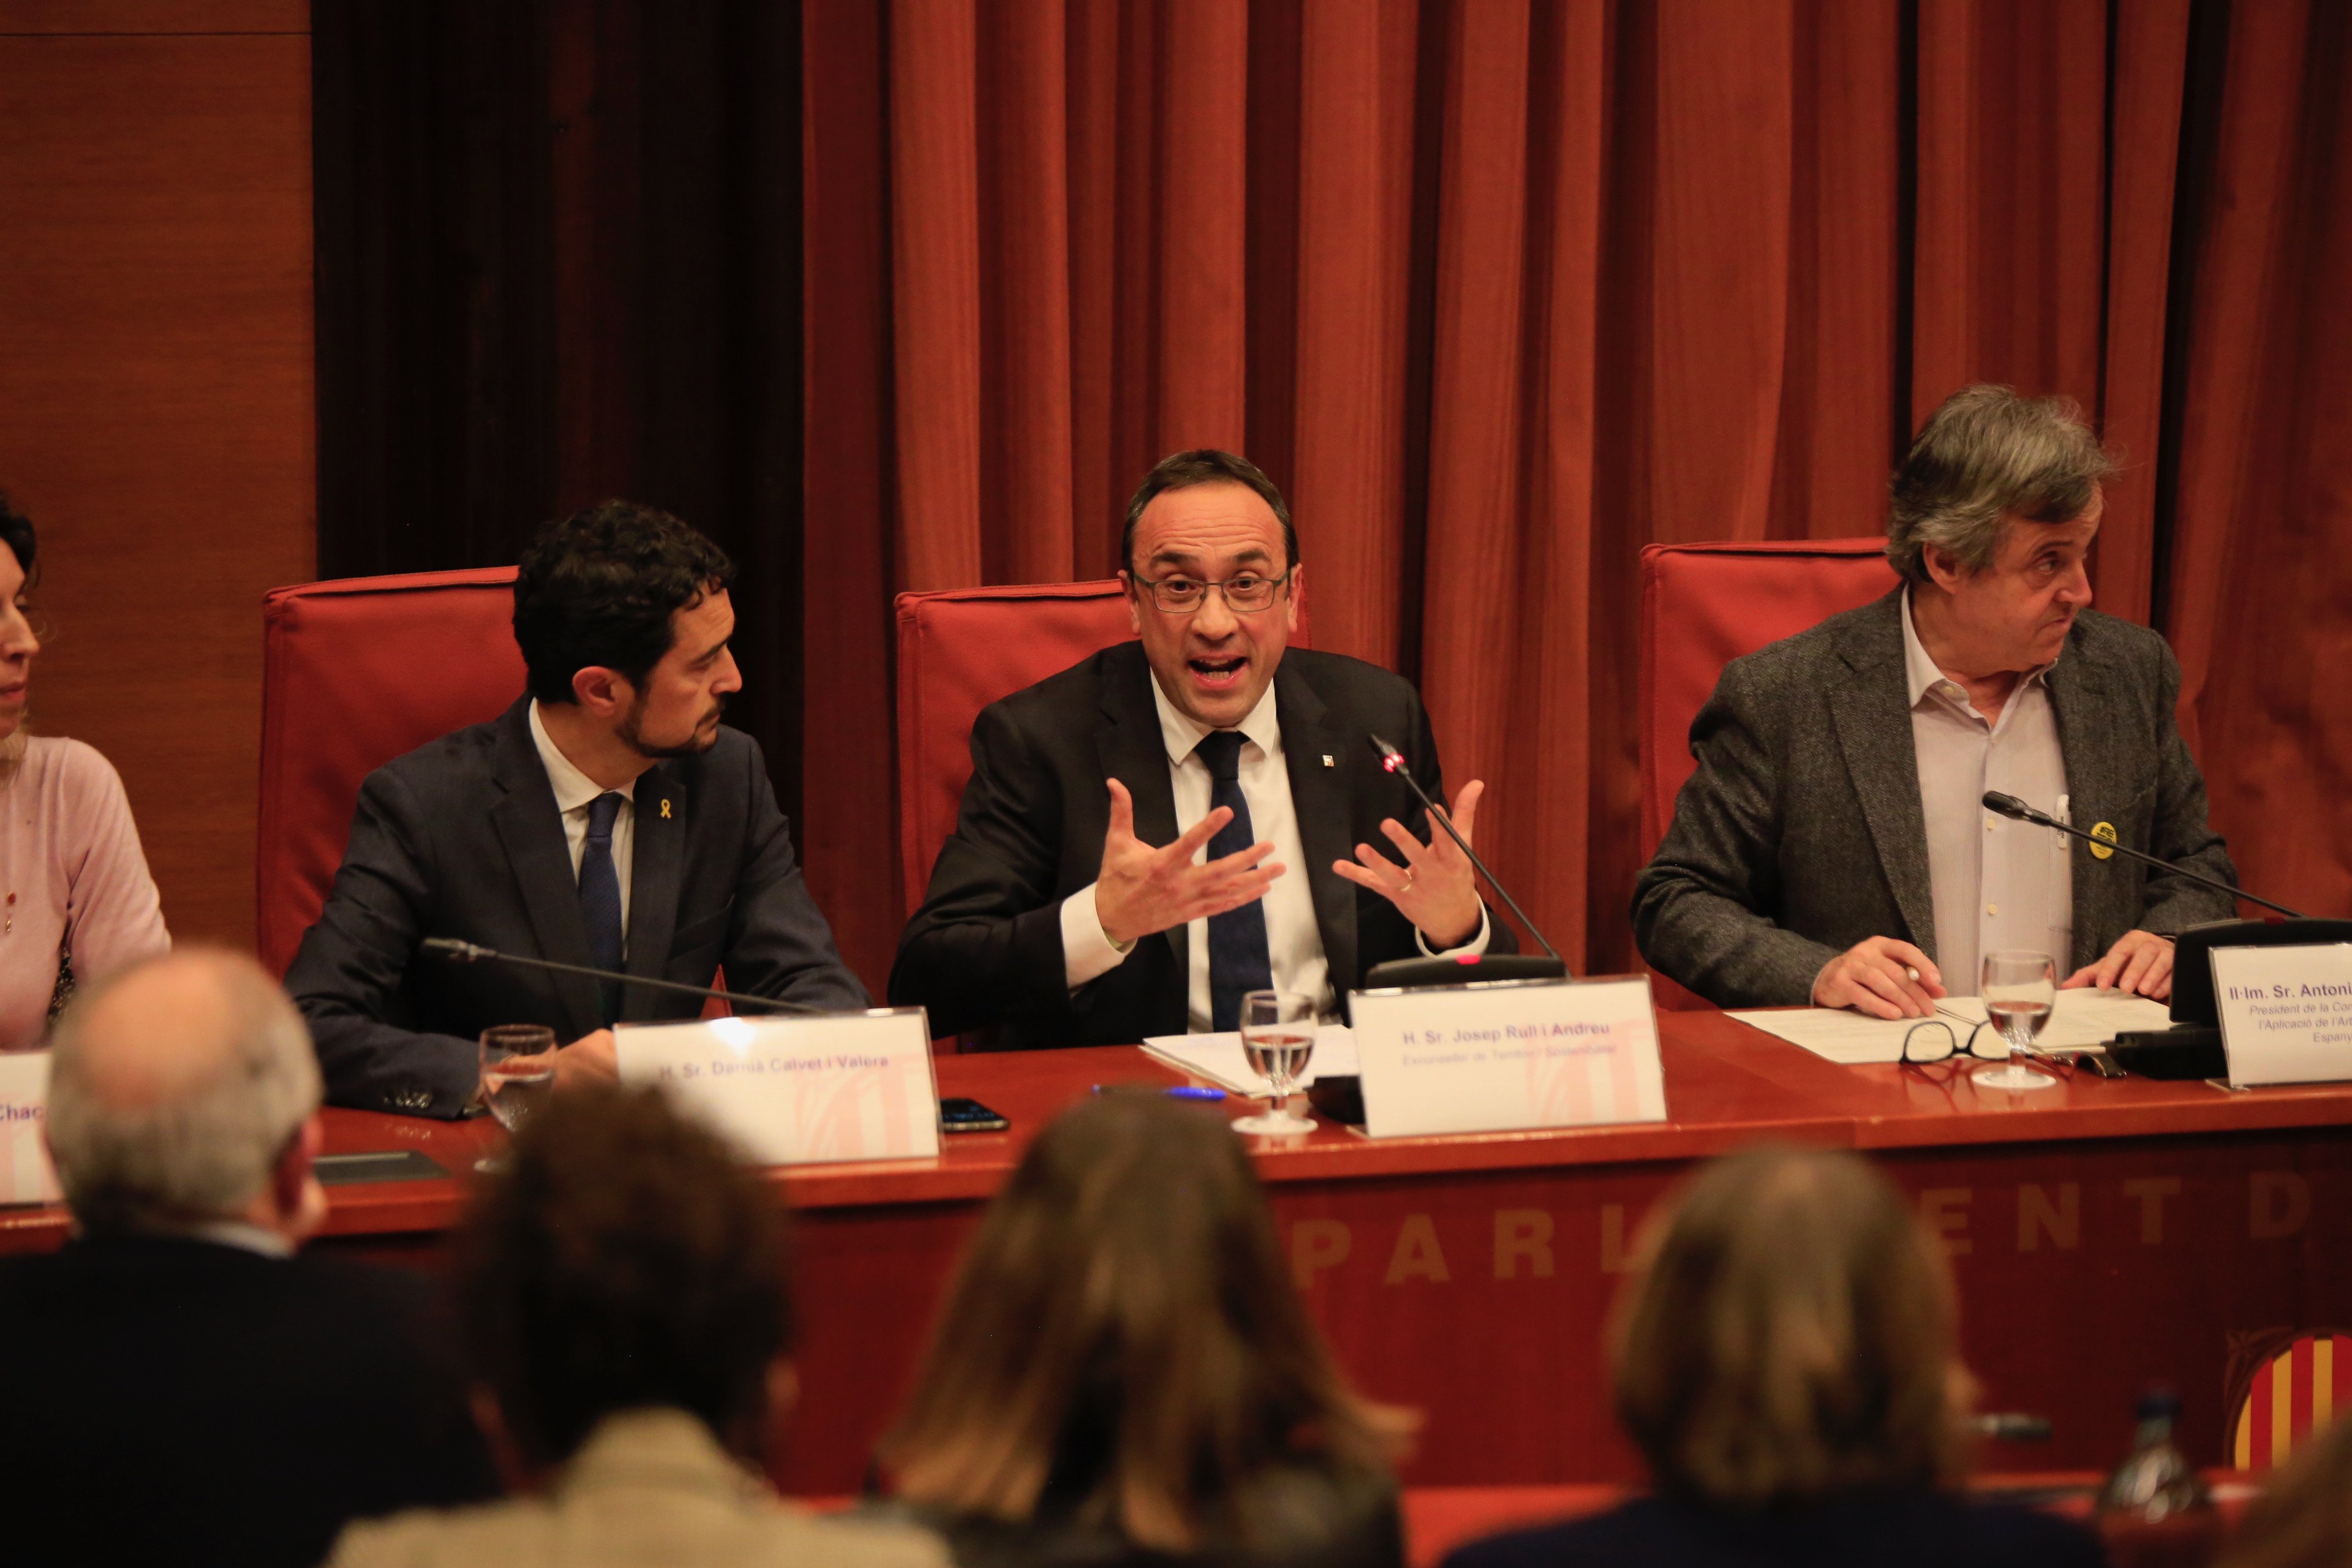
x,y
450,947
1390,758
2008,806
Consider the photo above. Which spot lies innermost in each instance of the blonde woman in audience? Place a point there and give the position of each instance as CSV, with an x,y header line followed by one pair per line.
x,y
2304,1520
1787,1363
75,900
623,1291
1124,1372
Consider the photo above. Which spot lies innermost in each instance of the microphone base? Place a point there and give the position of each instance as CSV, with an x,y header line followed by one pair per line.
x,y
2192,962
1412,973
1339,1098
2184,1052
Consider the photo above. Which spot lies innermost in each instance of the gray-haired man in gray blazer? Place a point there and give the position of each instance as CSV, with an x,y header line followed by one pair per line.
x,y
1830,849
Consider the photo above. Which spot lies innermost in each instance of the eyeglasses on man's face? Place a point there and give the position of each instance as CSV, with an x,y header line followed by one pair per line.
x,y
1244,591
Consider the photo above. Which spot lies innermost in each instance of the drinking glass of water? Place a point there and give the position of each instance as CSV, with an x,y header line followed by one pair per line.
x,y
518,1075
2019,990
1277,1037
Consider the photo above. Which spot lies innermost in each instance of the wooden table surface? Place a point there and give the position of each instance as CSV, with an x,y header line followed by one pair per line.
x,y
2105,1234
1727,1085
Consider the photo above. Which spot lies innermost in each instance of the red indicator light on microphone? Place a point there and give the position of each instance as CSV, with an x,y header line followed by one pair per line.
x,y
1393,761
1465,958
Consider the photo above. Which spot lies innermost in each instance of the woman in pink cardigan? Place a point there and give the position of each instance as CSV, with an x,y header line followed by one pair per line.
x,y
76,899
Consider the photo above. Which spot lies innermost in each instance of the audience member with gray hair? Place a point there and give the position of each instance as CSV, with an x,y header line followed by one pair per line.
x,y
1831,847
205,1123
203,1393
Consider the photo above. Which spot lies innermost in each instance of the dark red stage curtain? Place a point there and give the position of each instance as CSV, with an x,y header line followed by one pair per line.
x,y
1499,292
2258,590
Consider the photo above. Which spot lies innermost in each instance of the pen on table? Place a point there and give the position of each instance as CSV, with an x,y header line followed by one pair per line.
x,y
1182,1091
1947,1012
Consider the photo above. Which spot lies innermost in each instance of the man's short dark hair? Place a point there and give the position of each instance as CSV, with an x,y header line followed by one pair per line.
x,y
599,589
1206,465
626,1261
16,533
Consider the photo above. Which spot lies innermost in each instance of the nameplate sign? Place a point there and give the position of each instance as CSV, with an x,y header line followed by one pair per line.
x,y
1509,1055
798,1092
25,1174
2286,1013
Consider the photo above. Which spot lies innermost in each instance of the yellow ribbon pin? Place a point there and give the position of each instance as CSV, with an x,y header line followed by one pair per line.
x,y
2105,830
666,813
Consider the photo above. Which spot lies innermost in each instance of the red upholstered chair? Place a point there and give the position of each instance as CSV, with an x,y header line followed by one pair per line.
x,y
354,673
960,650
1703,605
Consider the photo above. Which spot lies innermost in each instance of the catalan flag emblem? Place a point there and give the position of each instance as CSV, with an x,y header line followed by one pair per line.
x,y
2291,1397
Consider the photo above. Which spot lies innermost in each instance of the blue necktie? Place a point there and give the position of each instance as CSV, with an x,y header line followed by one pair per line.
x,y
600,897
1238,962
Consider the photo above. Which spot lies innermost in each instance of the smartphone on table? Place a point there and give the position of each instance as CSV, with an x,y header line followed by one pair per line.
x,y
959,1113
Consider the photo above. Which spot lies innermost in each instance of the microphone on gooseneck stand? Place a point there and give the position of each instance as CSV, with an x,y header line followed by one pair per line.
x,y
1453,972
458,951
2016,810
1340,1096
2191,1048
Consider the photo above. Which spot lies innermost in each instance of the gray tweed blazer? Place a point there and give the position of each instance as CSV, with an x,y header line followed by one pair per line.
x,y
1802,832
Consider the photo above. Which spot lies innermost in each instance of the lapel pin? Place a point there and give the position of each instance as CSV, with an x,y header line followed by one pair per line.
x,y
2105,830
1327,762
665,809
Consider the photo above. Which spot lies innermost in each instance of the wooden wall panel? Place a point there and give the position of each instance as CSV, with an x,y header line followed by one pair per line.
x,y
154,17
156,415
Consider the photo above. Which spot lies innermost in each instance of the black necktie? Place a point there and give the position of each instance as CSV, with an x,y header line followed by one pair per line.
x,y
1238,962
600,896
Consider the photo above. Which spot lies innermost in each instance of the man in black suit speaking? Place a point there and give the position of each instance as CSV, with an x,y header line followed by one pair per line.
x,y
607,818
1172,822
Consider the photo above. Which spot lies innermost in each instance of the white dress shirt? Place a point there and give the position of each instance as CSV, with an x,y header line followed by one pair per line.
x,y
1995,885
574,792
1294,941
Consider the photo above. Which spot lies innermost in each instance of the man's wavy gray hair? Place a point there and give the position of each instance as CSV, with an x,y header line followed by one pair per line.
x,y
202,1153
1985,455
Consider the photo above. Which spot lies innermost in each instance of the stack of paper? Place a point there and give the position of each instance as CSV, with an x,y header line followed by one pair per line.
x,y
1219,1058
2081,1018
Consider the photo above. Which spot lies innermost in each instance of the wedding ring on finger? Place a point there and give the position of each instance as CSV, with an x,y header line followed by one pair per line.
x,y
1407,886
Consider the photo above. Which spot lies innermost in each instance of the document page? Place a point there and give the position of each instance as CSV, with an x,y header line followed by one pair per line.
x,y
2081,1018
1218,1058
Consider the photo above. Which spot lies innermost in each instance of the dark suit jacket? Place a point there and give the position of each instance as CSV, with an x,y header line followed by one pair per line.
x,y
461,839
184,1402
1308,1517
985,950
1802,832
1913,1527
